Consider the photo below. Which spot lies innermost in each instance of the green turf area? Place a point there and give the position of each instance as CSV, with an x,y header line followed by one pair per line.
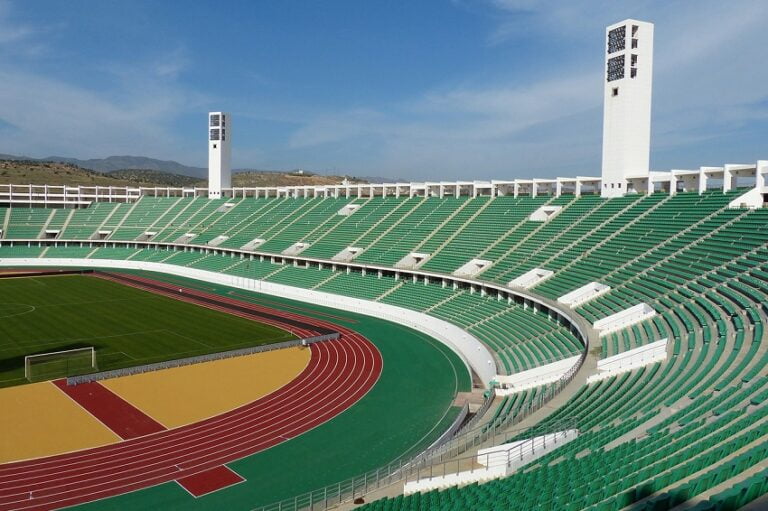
x,y
410,406
126,326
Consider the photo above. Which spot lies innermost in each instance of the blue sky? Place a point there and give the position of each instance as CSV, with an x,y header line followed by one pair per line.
x,y
473,89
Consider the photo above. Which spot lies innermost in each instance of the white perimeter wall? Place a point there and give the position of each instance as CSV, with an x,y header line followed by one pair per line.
x,y
630,360
498,461
623,319
541,375
466,346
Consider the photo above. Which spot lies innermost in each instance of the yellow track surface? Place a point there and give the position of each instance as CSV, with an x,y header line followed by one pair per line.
x,y
183,395
40,420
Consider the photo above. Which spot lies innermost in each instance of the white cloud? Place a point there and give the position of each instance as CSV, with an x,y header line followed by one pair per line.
x,y
539,116
166,65
709,81
14,34
44,116
556,18
15,38
52,117
338,127
73,121
172,64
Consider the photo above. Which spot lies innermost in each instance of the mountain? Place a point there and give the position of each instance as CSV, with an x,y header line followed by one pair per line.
x,y
379,179
158,177
172,173
120,163
37,172
255,178
22,172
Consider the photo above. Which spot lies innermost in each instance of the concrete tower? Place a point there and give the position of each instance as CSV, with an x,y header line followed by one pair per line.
x,y
219,153
627,104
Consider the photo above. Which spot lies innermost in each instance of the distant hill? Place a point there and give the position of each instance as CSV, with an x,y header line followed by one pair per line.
x,y
249,178
121,163
132,164
156,176
39,172
379,179
54,173
253,178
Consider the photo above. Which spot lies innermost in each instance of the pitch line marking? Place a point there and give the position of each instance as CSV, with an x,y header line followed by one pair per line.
x,y
12,379
31,310
61,340
177,334
89,302
117,437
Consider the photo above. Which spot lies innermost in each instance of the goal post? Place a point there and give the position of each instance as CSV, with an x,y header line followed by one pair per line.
x,y
59,364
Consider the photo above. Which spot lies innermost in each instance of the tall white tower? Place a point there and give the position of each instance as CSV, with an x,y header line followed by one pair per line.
x,y
627,104
219,153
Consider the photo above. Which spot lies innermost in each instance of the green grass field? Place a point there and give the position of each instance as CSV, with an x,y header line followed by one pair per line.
x,y
126,326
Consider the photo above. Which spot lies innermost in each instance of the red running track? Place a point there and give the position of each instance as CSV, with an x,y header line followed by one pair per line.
x,y
114,412
209,481
340,372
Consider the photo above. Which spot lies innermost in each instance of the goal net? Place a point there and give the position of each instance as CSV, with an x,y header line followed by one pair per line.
x,y
59,364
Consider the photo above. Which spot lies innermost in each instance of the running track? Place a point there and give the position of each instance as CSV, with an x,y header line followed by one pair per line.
x,y
340,372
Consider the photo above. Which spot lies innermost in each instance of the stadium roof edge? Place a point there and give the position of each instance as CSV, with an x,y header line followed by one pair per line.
x,y
671,181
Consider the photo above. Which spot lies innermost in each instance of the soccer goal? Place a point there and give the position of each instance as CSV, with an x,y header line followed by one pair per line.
x,y
59,364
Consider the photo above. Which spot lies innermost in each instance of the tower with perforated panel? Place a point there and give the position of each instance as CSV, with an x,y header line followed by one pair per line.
x,y
627,105
219,153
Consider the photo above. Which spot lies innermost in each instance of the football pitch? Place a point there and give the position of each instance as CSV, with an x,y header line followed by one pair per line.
x,y
126,326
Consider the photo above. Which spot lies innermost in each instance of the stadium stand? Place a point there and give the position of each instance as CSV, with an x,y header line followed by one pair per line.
x,y
653,437
84,222
26,223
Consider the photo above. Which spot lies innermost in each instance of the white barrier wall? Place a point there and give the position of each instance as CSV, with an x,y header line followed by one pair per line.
x,y
629,360
545,213
521,452
498,461
466,346
752,199
480,475
518,382
531,278
473,267
625,318
412,260
584,294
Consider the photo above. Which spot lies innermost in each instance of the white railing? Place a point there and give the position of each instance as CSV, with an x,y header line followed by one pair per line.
x,y
401,469
493,462
180,362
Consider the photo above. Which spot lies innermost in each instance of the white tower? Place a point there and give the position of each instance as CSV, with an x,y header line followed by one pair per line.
x,y
627,104
219,153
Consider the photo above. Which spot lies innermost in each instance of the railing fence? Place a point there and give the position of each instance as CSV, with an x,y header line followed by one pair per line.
x,y
541,438
398,470
126,371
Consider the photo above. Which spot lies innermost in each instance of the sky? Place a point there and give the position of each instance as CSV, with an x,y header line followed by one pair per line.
x,y
436,90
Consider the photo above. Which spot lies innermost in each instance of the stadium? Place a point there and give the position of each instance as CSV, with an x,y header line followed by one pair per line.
x,y
546,344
